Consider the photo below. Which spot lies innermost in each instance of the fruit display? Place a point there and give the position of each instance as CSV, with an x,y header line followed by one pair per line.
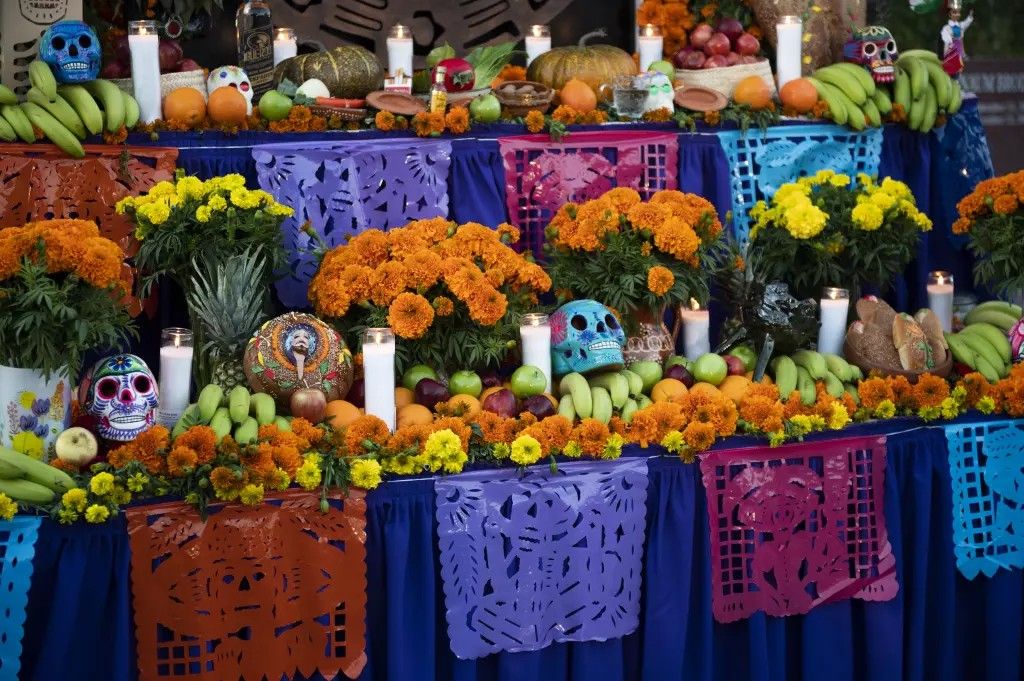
x,y
711,48
804,368
237,412
851,94
983,345
29,480
595,65
348,71
923,89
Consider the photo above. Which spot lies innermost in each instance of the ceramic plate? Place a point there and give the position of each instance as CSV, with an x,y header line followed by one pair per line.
x,y
700,99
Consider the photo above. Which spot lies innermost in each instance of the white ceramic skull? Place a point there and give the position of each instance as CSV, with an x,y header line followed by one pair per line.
x,y
122,397
231,76
659,91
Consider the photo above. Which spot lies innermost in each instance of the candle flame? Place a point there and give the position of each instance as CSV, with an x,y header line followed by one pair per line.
x,y
694,305
537,30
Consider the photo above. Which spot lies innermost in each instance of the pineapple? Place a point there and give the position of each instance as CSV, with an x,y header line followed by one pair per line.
x,y
227,304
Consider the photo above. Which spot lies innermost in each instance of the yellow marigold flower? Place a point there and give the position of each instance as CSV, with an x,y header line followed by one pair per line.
x,y
217,202
365,473
76,499
244,199
839,180
203,214
279,480
503,450
97,513
776,438
929,413
251,495
865,180
950,408
986,405
896,188
882,200
822,176
122,206
162,188
526,450
805,220
440,447
867,216
660,280
66,516
189,187
7,507
673,442
573,450
839,417
137,482
886,409
120,495
613,447
102,484
156,212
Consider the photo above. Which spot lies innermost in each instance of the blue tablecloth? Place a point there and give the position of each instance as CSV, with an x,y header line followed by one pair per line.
x,y
940,626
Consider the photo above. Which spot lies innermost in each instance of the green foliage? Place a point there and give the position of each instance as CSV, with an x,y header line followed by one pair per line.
x,y
999,252
48,322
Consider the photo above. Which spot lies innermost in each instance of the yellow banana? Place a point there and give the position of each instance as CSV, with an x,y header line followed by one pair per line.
x,y
831,97
131,110
860,73
941,83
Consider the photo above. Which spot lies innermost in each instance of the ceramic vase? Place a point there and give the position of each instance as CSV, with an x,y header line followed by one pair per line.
x,y
647,337
36,410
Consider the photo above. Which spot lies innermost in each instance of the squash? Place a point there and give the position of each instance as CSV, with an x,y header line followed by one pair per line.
x,y
595,65
348,71
578,95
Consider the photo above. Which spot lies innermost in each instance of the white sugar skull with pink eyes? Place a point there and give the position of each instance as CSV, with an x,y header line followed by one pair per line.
x,y
231,76
122,397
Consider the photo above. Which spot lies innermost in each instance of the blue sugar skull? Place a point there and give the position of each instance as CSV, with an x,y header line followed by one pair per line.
x,y
585,336
72,50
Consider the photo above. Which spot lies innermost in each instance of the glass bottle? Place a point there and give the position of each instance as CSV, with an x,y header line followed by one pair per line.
x,y
254,33
438,93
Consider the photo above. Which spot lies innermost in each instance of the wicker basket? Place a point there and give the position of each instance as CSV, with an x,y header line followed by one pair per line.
x,y
724,79
518,105
941,369
170,82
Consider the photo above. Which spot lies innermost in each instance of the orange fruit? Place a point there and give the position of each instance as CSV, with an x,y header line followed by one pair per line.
x,y
403,396
467,403
735,387
414,415
667,390
578,95
185,105
706,388
341,413
753,92
227,105
799,94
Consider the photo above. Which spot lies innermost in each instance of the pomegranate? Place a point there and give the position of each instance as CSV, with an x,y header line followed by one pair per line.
x,y
700,35
694,60
717,44
747,44
715,61
732,29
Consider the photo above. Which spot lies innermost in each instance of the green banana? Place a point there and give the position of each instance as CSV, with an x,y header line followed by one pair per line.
x,y
247,431
901,90
855,373
882,101
221,423
7,95
961,352
838,366
131,110
873,114
188,419
602,403
628,410
915,115
853,392
834,385
9,470
53,129
983,350
7,133
263,408
831,96
59,109
940,82
616,385
26,491
956,99
931,110
209,401
13,114
785,375
846,83
805,384
40,75
860,74
636,384
1015,311
283,424
923,55
84,105
37,471
855,116
995,337
1001,320
238,404
987,369
566,408
643,401
812,361
575,384
918,75
109,95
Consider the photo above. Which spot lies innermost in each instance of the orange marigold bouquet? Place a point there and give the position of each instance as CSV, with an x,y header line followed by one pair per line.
x,y
992,217
61,292
632,254
453,294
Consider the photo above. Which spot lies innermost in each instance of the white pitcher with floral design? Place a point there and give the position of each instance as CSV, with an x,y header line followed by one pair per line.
x,y
35,410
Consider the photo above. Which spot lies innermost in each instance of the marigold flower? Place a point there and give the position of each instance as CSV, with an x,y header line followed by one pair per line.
x,y
712,117
591,435
201,440
410,315
384,120
660,280
930,391
457,120
365,428
526,450
874,391
699,436
181,461
534,121
365,473
97,513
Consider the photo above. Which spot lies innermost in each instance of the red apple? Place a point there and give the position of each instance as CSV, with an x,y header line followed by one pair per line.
x,y
732,59
115,69
736,365
680,373
429,392
699,36
694,60
490,378
747,44
308,403
715,61
732,29
679,58
538,405
501,402
357,393
188,65
717,44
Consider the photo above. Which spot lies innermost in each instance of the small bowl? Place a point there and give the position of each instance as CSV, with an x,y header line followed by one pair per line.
x,y
519,104
941,369
701,99
396,102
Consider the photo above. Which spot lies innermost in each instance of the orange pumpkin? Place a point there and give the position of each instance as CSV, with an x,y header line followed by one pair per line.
x,y
578,95
799,94
185,105
753,92
595,65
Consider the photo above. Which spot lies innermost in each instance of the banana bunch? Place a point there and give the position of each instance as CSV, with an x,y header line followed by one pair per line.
x,y
236,413
851,95
923,89
601,396
65,114
983,344
29,480
802,370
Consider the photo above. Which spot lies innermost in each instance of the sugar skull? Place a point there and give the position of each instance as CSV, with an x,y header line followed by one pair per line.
x,y
1016,336
874,48
659,91
72,49
231,76
585,336
122,397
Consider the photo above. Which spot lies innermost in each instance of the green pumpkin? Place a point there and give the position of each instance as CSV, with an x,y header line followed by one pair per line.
x,y
348,71
595,65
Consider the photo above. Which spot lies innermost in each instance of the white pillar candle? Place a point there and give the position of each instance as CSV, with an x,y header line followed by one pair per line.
x,y
535,335
538,41
144,46
835,304
400,50
696,330
285,45
940,298
650,45
789,49
175,381
379,374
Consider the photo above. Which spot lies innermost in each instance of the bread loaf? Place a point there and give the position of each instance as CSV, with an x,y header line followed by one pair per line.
x,y
915,353
932,327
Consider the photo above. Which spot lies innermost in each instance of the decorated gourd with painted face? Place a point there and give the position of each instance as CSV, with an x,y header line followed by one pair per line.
x,y
121,395
659,91
231,76
72,49
874,48
295,351
585,336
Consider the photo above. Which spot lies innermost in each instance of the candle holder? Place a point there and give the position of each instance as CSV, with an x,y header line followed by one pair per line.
x,y
175,383
940,297
538,41
789,48
696,330
835,306
400,48
285,44
535,336
144,46
650,46
379,374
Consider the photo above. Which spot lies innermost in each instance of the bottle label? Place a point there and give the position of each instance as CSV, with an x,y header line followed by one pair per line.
x,y
438,101
257,51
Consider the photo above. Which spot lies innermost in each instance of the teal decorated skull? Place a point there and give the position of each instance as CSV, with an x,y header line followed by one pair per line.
x,y
585,336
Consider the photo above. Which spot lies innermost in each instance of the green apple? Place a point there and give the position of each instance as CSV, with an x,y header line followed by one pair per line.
x,y
465,383
485,108
663,67
648,371
746,354
274,106
415,374
710,368
528,380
